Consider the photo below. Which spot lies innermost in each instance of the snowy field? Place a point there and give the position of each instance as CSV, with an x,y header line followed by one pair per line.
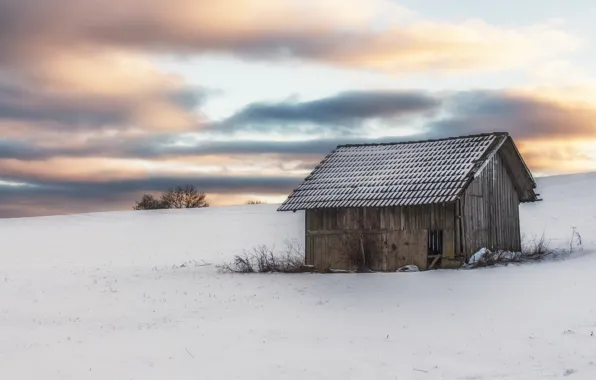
x,y
105,296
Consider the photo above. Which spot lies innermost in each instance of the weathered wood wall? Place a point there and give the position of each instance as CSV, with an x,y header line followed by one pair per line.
x,y
382,251
392,236
490,210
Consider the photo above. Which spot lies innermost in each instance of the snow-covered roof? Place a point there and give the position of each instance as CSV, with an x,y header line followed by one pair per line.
x,y
395,174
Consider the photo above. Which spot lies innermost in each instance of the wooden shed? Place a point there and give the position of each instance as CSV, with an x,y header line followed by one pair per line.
x,y
428,203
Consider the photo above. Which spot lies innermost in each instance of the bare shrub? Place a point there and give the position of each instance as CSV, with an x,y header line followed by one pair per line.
x,y
263,259
535,249
149,202
292,258
242,263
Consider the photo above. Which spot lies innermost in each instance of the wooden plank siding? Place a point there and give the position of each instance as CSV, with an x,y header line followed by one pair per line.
x,y
491,210
392,236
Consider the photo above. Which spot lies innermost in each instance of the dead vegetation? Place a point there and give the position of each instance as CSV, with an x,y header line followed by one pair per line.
x,y
254,202
264,259
576,241
532,250
535,249
487,258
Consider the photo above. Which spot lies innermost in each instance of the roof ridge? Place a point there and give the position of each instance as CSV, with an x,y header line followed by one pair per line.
x,y
427,140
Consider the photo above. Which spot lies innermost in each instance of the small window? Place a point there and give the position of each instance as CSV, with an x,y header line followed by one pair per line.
x,y
435,242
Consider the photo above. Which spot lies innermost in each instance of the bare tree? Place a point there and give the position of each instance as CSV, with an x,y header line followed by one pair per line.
x,y
184,197
176,197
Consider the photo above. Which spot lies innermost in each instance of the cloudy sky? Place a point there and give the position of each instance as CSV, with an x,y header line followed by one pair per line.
x,y
101,101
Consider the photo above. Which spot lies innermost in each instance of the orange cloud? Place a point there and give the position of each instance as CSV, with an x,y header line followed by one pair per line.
x,y
78,169
444,47
96,87
549,157
97,169
370,34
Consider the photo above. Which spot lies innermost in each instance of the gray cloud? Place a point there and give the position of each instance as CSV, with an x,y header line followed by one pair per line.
x,y
152,148
465,113
161,147
523,117
209,184
22,150
29,105
340,113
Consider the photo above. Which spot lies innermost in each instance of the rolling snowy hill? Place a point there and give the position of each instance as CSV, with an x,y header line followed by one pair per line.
x,y
569,201
105,296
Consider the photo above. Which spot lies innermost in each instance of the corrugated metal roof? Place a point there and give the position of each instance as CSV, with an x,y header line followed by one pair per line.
x,y
394,174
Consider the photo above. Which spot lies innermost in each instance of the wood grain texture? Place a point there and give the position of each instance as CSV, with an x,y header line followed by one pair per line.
x,y
491,210
392,236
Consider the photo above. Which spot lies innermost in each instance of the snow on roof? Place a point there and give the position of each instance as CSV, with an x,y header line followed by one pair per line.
x,y
394,174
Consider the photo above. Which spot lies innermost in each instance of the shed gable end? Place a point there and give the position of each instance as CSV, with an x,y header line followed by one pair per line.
x,y
490,207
